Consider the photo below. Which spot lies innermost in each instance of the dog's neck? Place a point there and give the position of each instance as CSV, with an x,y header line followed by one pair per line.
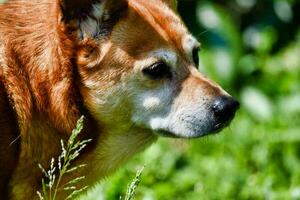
x,y
107,153
114,148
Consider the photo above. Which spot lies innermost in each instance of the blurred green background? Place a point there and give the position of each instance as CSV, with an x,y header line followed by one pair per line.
x,y
252,49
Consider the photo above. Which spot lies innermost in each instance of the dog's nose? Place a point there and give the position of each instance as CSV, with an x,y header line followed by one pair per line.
x,y
224,108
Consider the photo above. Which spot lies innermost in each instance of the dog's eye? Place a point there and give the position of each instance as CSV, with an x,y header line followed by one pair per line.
x,y
196,55
157,71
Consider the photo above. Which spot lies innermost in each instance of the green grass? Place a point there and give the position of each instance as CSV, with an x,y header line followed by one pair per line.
x,y
60,167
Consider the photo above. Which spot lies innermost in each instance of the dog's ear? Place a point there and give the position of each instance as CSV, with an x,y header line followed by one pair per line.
x,y
91,18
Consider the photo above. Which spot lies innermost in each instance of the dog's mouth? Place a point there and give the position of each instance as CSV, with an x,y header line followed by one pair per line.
x,y
164,133
221,125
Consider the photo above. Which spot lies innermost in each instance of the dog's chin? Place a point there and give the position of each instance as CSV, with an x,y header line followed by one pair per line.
x,y
190,134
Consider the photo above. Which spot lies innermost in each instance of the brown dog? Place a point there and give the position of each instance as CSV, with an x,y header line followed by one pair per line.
x,y
129,66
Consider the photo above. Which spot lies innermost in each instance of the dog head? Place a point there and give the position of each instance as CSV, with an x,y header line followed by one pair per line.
x,y
138,68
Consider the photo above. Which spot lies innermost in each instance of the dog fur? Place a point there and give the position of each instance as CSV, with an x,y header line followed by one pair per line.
x,y
62,59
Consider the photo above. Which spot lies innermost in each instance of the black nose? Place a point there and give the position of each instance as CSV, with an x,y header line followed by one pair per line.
x,y
224,108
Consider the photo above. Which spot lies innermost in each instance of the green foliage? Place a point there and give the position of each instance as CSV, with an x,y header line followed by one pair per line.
x,y
131,191
51,185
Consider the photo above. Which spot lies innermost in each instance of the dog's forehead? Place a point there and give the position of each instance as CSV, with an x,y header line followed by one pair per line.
x,y
166,23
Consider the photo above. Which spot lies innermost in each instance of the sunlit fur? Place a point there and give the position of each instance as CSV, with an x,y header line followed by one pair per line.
x,y
56,66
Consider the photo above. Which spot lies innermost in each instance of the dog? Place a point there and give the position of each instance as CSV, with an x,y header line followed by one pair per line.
x,y
128,66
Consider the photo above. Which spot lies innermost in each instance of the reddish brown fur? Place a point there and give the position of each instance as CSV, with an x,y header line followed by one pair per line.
x,y
41,49
38,78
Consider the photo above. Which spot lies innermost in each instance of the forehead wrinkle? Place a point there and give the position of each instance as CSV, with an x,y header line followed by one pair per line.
x,y
162,19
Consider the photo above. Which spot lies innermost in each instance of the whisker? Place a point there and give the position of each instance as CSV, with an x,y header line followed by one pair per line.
x,y
202,33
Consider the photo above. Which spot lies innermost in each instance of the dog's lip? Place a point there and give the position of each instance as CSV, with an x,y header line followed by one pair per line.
x,y
165,133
